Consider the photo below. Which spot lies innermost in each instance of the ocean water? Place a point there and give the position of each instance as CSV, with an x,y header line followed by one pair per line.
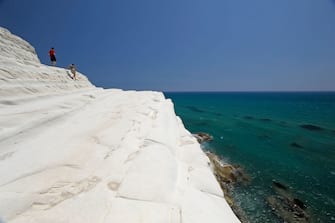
x,y
263,133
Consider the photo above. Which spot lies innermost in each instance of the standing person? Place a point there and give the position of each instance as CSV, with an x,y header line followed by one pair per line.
x,y
52,55
72,68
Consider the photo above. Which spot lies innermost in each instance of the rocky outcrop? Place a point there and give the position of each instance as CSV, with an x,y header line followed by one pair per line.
x,y
227,175
203,137
14,48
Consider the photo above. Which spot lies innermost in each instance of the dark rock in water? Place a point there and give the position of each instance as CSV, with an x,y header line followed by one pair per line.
x,y
299,203
264,136
294,144
202,137
287,210
311,127
248,117
283,123
285,206
265,119
195,109
279,185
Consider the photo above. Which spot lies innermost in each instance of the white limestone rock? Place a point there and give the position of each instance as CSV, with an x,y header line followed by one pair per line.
x,y
16,49
70,152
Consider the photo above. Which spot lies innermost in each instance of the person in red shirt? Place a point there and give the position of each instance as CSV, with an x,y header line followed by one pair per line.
x,y
52,55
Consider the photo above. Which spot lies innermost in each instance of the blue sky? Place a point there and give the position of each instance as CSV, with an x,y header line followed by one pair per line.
x,y
185,45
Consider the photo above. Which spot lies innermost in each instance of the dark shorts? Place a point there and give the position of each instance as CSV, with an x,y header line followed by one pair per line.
x,y
52,58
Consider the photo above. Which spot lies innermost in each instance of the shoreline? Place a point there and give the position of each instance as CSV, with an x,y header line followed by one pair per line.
x,y
283,202
226,174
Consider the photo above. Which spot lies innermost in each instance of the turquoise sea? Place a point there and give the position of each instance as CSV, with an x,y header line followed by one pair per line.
x,y
283,137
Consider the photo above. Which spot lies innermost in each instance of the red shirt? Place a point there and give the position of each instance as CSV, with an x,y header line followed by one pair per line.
x,y
52,52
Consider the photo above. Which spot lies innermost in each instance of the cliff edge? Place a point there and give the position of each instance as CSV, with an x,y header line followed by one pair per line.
x,y
71,152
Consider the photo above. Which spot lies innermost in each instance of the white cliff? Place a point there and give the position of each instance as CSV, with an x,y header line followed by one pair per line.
x,y
71,152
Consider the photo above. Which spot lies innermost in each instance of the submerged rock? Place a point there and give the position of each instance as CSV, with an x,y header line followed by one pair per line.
x,y
311,127
264,137
283,123
279,185
299,203
248,117
285,206
195,109
287,210
294,144
202,137
218,114
265,119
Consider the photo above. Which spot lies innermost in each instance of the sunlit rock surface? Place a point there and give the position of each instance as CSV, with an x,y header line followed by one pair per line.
x,y
71,152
